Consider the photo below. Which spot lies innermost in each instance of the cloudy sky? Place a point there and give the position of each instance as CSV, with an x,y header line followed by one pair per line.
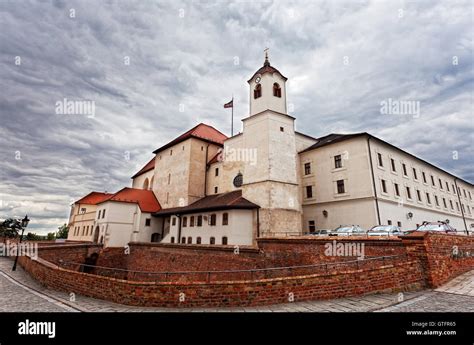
x,y
155,69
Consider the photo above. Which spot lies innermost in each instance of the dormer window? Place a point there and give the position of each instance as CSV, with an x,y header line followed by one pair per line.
x,y
257,93
276,90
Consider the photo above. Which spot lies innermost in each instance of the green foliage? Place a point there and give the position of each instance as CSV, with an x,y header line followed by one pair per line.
x,y
63,231
10,228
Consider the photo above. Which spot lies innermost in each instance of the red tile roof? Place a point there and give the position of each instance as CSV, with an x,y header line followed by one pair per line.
x,y
223,201
148,166
145,199
93,198
201,131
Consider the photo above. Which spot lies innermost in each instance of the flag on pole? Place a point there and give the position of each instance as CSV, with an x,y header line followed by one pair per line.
x,y
230,104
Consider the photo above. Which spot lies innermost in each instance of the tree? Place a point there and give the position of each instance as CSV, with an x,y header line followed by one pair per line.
x,y
63,231
32,237
50,236
10,228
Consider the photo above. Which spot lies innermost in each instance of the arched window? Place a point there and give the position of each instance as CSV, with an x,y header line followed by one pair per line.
x,y
213,240
276,90
172,240
146,183
224,240
151,182
190,240
183,239
198,240
155,237
257,93
185,222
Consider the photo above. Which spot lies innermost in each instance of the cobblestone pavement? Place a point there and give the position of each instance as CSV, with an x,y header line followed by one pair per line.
x,y
19,292
455,296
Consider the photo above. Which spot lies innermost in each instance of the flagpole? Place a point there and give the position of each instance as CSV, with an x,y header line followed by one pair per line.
x,y
232,118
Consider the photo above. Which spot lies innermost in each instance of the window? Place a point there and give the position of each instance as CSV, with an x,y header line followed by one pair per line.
x,y
432,180
379,157
98,216
392,161
103,214
444,203
465,195
282,129
418,194
440,184
312,225
217,172
337,161
169,178
397,190
190,240
424,176
454,189
428,199
408,192
340,187
191,221
447,186
212,219
309,191
436,200
470,195
183,239
172,240
212,240
399,224
173,221
384,186
171,152
185,222
276,90
257,92
457,206
307,168
147,221
198,240
224,240
389,222
404,169
83,210
199,221
451,204
415,176
83,230
225,218
155,237
216,189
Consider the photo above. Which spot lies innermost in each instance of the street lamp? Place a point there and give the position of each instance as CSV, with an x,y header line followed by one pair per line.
x,y
24,224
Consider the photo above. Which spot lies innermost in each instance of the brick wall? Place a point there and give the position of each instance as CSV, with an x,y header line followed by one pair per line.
x,y
67,252
400,276
435,253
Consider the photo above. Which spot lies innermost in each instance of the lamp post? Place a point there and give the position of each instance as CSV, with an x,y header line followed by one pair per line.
x,y
24,224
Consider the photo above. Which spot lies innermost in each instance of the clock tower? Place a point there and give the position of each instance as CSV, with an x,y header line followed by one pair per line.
x,y
272,182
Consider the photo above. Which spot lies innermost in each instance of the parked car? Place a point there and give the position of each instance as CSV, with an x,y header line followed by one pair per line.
x,y
439,226
348,230
322,232
385,230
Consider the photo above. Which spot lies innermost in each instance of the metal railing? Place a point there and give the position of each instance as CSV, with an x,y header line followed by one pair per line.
x,y
230,275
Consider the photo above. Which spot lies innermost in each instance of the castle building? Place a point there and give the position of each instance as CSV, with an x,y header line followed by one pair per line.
x,y
270,180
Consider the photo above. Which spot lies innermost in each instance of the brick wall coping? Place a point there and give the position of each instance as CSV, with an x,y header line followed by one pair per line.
x,y
330,239
223,248
69,245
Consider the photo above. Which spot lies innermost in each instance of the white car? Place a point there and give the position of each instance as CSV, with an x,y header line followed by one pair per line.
x,y
348,230
385,230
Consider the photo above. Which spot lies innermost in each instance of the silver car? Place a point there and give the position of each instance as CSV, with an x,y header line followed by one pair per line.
x,y
385,230
442,227
348,230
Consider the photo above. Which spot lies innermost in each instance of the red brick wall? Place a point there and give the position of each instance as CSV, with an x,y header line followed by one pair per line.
x,y
435,253
67,252
394,277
